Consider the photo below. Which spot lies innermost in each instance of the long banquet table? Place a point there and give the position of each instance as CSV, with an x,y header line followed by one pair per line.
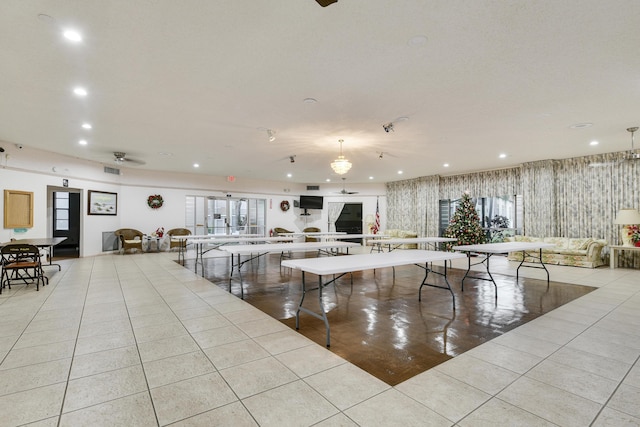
x,y
257,251
395,243
339,266
205,245
487,250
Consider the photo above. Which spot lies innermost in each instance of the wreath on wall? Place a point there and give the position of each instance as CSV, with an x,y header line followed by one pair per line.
x,y
155,201
284,205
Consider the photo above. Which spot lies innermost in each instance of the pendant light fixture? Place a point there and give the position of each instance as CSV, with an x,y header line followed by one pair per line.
x,y
341,165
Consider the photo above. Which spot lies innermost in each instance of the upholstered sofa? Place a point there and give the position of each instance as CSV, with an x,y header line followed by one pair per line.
x,y
402,234
577,252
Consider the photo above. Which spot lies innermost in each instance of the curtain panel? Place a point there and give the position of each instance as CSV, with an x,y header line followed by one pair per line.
x,y
493,183
576,197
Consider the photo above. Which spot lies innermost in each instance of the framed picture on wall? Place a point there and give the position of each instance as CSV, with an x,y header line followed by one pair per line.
x,y
102,203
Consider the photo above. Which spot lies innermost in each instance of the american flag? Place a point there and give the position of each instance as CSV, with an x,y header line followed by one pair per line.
x,y
376,224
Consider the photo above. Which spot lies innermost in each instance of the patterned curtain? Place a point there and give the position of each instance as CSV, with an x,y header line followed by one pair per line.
x,y
495,183
577,197
539,198
335,209
413,205
590,191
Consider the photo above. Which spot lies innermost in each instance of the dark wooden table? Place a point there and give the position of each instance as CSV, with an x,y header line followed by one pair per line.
x,y
46,242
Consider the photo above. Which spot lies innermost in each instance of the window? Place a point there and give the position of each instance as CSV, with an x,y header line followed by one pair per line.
x,y
61,211
500,216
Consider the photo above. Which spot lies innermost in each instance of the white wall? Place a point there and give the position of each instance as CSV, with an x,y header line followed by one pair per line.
x,y
35,171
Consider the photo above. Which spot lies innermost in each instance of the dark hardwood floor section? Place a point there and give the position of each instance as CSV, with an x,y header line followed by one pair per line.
x,y
378,324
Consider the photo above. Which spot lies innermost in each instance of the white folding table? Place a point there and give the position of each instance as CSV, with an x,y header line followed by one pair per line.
x,y
364,237
219,243
395,243
339,266
256,251
228,238
489,249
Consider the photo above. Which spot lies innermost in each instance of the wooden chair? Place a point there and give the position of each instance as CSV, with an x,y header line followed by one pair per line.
x,y
23,263
130,238
311,230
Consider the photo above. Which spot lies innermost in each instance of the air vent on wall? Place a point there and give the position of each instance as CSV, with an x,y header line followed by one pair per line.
x,y
313,187
114,171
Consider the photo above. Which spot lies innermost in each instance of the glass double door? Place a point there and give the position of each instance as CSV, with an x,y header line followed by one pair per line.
x,y
227,216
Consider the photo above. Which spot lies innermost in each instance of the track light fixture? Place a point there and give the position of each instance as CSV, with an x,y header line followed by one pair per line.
x,y
292,159
388,127
271,134
381,155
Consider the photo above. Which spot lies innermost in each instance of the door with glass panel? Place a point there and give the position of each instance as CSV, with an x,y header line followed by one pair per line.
x,y
66,222
225,215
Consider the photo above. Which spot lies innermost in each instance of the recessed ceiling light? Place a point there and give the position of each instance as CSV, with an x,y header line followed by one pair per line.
x,y
309,100
417,41
72,35
195,165
399,172
502,155
328,180
289,175
594,143
80,91
446,165
581,125
86,126
402,119
82,142
164,153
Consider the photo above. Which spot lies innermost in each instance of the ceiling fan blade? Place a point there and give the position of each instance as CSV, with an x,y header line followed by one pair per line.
x,y
325,3
121,158
134,161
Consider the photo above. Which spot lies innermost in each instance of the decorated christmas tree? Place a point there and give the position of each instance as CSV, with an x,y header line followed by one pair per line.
x,y
465,225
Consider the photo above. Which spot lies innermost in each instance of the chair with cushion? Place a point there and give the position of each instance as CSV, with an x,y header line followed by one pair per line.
x,y
178,243
21,263
311,230
278,231
181,244
130,238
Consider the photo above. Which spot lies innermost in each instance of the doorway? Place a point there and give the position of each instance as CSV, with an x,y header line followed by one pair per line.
x,y
350,220
225,215
65,204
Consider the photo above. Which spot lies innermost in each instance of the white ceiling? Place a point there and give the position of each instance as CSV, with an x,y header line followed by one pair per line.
x,y
203,80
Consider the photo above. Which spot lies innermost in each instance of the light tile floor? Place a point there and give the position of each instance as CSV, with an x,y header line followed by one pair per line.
x,y
138,340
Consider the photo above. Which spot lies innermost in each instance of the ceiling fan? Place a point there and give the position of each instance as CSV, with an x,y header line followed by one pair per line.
x,y
343,191
629,155
121,159
325,3
632,154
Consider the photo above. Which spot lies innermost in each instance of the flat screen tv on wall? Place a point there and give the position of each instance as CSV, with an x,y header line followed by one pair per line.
x,y
311,202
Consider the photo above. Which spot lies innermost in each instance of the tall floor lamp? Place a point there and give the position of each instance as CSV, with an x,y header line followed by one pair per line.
x,y
626,217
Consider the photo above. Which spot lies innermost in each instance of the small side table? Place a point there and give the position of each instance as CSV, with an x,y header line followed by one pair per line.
x,y
150,239
613,256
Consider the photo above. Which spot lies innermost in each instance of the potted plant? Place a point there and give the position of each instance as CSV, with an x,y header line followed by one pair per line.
x,y
634,235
